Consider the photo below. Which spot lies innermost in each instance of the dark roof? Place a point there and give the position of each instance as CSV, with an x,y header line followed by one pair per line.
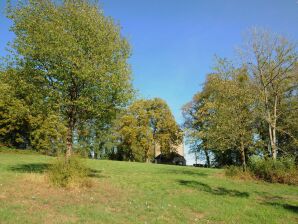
x,y
169,156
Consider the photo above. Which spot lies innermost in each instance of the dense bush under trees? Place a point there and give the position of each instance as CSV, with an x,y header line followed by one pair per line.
x,y
282,170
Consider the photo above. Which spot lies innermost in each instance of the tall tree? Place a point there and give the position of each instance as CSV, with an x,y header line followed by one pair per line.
x,y
271,60
195,122
221,117
78,55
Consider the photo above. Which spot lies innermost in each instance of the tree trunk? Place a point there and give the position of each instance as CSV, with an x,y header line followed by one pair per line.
x,y
243,160
207,158
272,131
272,126
274,147
196,157
146,156
69,138
272,135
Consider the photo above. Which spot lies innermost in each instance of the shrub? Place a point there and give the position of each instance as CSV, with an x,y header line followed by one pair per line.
x,y
282,170
68,173
232,171
237,171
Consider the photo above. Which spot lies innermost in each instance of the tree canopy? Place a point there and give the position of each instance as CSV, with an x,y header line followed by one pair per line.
x,y
249,108
146,125
75,56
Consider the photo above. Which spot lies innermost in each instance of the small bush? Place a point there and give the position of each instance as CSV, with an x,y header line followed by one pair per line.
x,y
232,171
237,172
282,170
69,172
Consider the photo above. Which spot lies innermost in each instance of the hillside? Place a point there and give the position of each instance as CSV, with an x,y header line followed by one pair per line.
x,y
126,192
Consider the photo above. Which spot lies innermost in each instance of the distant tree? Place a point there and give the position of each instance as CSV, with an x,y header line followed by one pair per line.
x,y
145,125
77,54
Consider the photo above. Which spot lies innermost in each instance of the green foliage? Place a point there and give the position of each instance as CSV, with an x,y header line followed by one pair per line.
x,y
249,108
146,125
221,117
283,170
69,172
26,119
14,114
9,150
49,136
70,65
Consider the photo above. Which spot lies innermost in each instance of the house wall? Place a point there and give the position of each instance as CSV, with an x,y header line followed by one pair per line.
x,y
179,149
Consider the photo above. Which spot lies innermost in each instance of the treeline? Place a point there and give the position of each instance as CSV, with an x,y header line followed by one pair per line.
x,y
66,87
247,107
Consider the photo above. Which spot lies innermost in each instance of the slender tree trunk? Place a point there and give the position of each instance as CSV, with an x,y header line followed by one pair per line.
x,y
274,147
272,133
272,125
196,157
69,138
243,160
207,158
146,156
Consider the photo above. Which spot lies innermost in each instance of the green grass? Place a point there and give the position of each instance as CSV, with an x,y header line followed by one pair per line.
x,y
126,192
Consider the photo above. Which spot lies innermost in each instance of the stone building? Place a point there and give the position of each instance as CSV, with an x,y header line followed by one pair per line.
x,y
174,158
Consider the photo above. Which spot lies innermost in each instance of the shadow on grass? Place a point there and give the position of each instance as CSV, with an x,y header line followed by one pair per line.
x,y
43,167
276,201
30,167
95,173
292,208
185,172
216,191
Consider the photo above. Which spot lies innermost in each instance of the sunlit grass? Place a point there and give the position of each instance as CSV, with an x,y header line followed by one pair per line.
x,y
125,192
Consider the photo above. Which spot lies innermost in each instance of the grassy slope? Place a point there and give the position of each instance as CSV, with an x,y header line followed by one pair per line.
x,y
139,193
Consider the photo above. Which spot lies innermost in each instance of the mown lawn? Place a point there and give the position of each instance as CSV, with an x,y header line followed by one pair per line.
x,y
126,192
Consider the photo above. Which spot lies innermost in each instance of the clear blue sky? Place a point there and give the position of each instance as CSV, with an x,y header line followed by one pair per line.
x,y
174,41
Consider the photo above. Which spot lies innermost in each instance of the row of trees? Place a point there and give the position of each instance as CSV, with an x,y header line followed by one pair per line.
x,y
67,84
248,108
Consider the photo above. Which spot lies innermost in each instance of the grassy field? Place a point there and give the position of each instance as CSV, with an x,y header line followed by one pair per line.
x,y
126,192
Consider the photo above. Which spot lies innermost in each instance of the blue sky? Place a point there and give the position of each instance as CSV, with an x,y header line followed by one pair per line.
x,y
174,41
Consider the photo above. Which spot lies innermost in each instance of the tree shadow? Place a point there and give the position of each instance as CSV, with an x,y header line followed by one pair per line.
x,y
43,167
292,208
95,173
30,167
276,201
268,196
186,172
216,191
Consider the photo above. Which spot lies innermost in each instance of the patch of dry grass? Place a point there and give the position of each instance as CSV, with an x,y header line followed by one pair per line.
x,y
34,193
